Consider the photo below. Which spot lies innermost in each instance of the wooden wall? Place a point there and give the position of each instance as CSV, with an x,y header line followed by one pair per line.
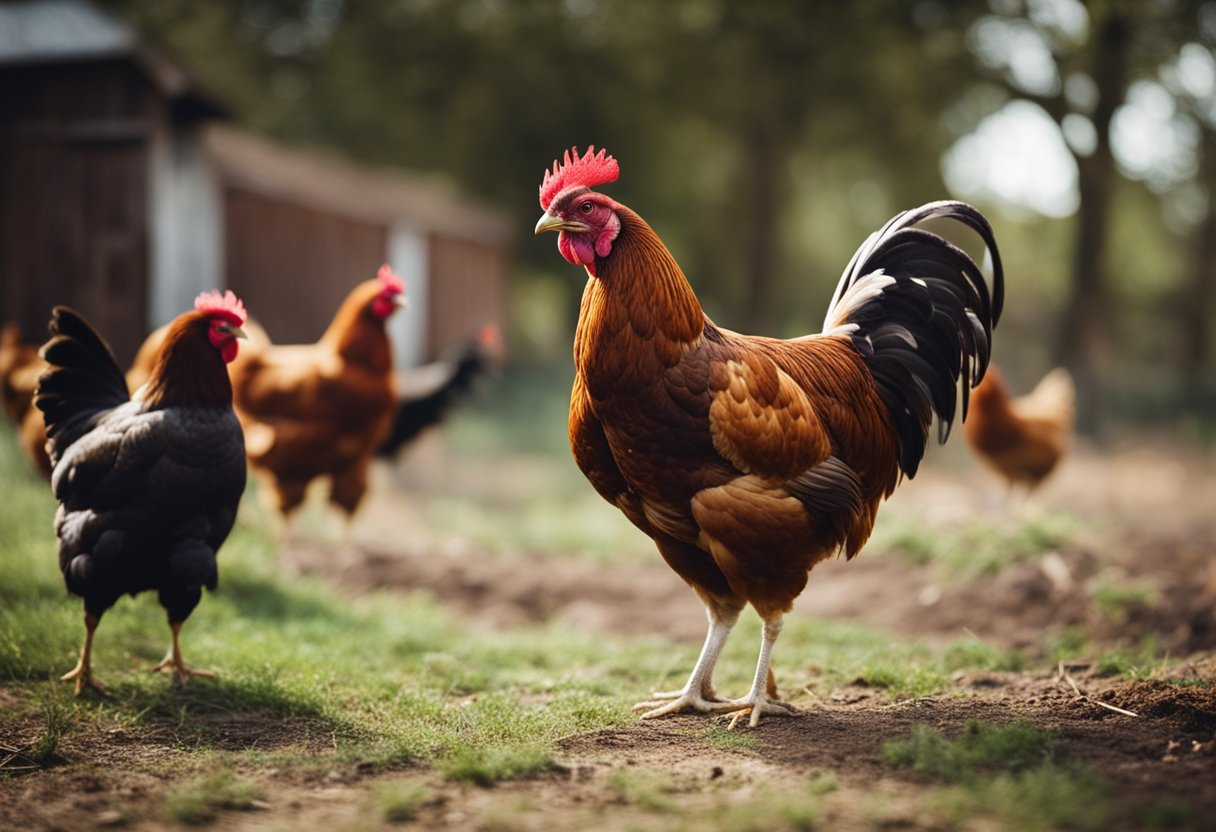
x,y
466,290
293,264
74,142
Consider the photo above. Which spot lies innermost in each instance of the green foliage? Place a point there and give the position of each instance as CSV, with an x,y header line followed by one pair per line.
x,y
978,749
199,800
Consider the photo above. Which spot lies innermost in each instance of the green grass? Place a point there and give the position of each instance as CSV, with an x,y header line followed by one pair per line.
x,y
1118,601
400,801
1011,773
200,799
645,788
979,748
976,547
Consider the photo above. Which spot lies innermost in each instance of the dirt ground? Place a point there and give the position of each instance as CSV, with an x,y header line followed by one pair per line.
x,y
1150,520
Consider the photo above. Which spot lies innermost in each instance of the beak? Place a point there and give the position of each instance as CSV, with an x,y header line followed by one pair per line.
x,y
549,222
237,332
401,301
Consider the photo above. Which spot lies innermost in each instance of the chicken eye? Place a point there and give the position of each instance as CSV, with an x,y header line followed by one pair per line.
x,y
586,207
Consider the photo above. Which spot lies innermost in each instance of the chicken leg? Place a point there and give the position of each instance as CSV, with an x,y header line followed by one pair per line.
x,y
175,664
698,693
82,672
757,701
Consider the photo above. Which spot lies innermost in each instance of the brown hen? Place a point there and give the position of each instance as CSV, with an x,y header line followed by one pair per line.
x,y
1022,438
321,410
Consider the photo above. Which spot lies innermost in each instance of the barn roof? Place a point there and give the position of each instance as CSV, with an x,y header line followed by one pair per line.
x,y
381,195
67,31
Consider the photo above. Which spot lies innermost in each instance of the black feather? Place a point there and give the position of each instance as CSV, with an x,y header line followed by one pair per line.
x,y
932,324
82,382
415,415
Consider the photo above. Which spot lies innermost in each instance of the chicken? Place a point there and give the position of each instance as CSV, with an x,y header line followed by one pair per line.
x,y
321,410
747,459
145,357
20,367
1023,438
425,394
147,487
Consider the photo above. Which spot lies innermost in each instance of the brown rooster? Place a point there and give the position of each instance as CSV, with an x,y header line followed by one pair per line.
x,y
748,460
147,487
321,410
1022,438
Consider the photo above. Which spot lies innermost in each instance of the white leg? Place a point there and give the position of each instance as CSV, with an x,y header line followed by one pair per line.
x,y
698,693
757,702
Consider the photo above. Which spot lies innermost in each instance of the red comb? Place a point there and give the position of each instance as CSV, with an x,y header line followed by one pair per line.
x,y
390,281
592,169
227,305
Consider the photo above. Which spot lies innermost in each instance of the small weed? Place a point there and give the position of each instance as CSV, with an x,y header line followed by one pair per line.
x,y
486,766
1118,602
647,789
1139,662
400,801
1070,643
904,681
45,750
822,783
974,654
1167,813
717,736
980,747
199,800
1047,797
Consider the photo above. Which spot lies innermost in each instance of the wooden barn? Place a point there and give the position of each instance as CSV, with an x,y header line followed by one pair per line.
x,y
125,191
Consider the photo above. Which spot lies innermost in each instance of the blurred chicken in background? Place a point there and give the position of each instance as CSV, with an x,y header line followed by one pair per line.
x,y
1022,438
322,409
20,367
426,394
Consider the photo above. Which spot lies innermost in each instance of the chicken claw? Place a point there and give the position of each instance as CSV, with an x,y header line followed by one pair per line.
x,y
175,664
760,706
684,700
180,670
84,678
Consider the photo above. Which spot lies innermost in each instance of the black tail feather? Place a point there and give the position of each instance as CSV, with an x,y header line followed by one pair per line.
x,y
921,315
82,381
416,414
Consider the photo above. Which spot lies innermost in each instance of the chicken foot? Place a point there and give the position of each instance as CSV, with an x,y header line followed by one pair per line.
x,y
175,664
698,693
82,672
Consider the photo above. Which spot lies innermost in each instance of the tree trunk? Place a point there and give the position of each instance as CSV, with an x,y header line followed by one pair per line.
x,y
1195,308
1084,337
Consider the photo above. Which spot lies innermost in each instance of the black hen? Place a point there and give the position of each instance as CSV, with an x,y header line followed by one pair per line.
x,y
147,488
